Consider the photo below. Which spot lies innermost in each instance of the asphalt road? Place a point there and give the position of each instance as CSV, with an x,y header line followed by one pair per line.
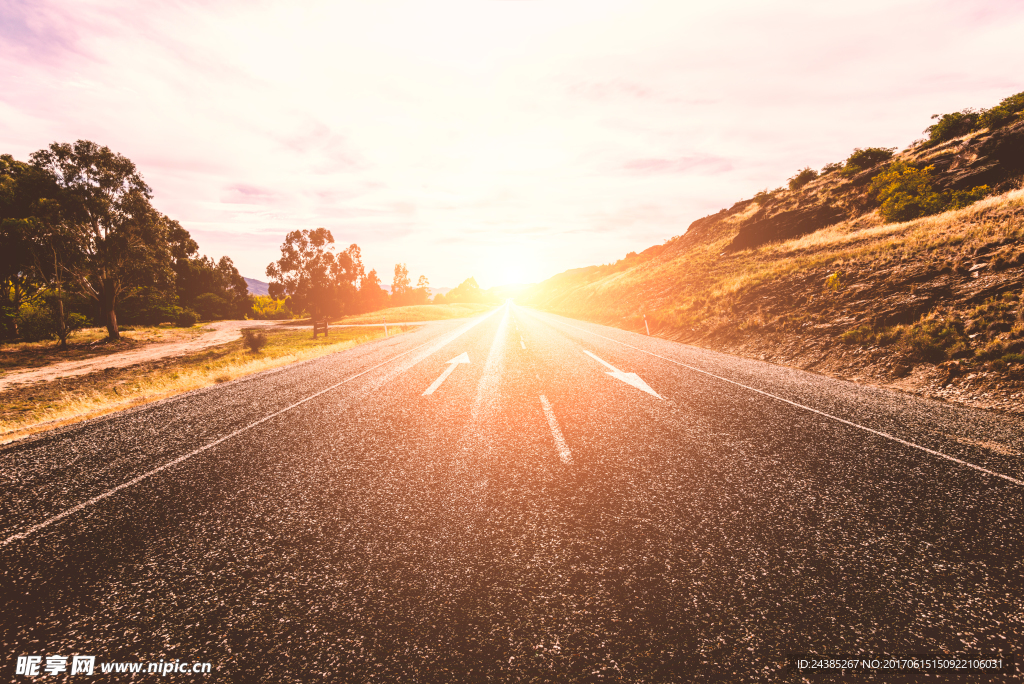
x,y
575,503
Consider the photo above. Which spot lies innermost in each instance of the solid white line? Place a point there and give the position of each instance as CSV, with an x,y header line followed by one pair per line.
x,y
808,408
60,516
563,448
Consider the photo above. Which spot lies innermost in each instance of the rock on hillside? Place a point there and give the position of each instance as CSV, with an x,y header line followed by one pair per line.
x,y
993,158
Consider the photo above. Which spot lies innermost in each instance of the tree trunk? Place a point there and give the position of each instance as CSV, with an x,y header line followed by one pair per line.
x,y
107,300
62,328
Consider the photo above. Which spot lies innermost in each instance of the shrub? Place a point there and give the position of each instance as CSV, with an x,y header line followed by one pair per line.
x,y
906,192
866,158
963,198
829,168
932,338
36,324
834,281
254,340
186,319
859,335
211,306
266,308
1010,109
802,178
950,126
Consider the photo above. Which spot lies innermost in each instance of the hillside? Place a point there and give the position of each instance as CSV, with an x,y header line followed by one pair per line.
x,y
814,277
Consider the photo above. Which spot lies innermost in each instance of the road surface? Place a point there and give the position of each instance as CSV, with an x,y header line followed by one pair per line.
x,y
517,497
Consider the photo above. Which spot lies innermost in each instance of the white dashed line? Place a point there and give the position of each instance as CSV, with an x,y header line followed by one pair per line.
x,y
96,499
563,448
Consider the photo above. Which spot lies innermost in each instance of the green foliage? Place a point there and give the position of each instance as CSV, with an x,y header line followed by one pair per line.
x,y
148,306
35,323
254,340
957,124
950,126
834,282
314,276
830,167
266,308
932,339
211,307
468,292
1006,112
186,319
906,192
802,178
963,198
865,158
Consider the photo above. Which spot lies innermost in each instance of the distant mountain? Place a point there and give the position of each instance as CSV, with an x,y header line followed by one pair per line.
x,y
257,287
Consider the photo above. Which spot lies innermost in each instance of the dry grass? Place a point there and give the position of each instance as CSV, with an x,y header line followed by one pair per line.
x,y
414,314
32,409
700,282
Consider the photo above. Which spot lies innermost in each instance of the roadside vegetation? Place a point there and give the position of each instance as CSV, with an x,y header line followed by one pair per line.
x,y
886,266
41,406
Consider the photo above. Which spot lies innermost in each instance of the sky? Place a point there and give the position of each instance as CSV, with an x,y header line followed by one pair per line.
x,y
508,140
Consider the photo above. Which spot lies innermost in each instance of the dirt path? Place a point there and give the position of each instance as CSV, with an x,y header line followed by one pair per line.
x,y
220,332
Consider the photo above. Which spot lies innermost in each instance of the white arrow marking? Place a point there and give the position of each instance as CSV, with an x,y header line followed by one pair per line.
x,y
628,378
461,358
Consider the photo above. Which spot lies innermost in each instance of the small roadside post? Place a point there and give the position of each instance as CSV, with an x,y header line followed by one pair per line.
x,y
647,326
385,325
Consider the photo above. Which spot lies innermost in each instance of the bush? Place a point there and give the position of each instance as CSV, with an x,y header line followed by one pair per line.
x,y
36,324
211,306
950,126
866,158
906,192
266,308
802,178
963,198
829,168
932,338
1006,112
834,281
254,340
186,319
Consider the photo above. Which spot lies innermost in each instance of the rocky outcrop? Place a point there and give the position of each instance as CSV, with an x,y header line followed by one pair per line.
x,y
785,225
994,158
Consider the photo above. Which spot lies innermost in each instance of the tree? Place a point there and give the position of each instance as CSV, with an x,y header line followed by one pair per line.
x,y
421,294
121,239
400,286
313,276
372,297
23,189
468,292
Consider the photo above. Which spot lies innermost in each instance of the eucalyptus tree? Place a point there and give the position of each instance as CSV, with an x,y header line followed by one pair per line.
x,y
118,240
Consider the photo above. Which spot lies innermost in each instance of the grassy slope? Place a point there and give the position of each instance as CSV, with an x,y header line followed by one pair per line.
x,y
26,410
896,281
